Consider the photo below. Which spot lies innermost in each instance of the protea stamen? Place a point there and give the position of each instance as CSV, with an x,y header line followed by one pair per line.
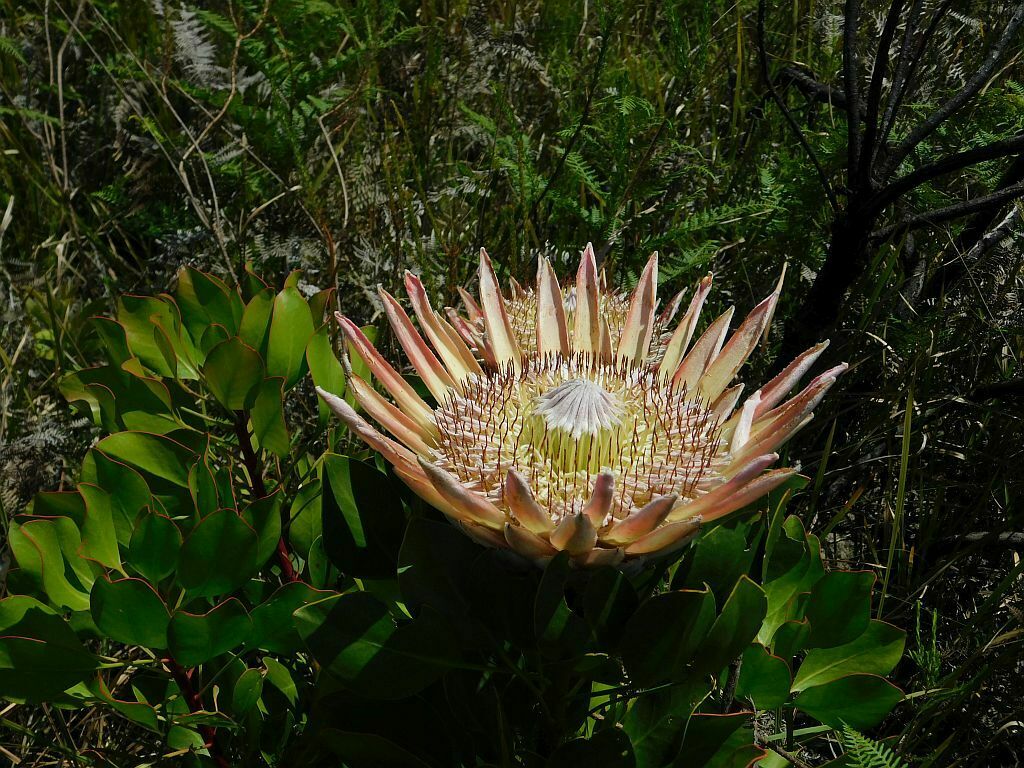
x,y
606,443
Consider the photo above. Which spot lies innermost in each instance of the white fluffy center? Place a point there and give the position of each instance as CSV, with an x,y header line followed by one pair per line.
x,y
579,407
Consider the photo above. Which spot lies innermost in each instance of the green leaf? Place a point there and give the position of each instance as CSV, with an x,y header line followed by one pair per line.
x,y
264,515
363,520
718,559
356,640
129,494
876,651
707,734
205,300
790,638
114,338
247,691
860,701
734,628
130,612
99,539
558,629
433,559
764,679
610,748
40,655
786,574
273,626
154,547
657,720
839,608
219,555
232,371
153,328
368,750
196,638
137,712
157,455
608,603
306,518
291,326
256,319
325,369
39,546
663,635
268,424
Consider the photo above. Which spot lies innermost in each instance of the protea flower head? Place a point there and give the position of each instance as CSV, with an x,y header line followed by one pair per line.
x,y
608,443
521,305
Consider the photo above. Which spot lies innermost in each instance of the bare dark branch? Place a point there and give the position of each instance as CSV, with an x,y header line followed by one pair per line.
x,y
851,17
951,212
965,94
878,71
762,54
949,164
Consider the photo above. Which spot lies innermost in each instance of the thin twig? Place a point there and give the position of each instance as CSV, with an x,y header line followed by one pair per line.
x,y
965,94
762,53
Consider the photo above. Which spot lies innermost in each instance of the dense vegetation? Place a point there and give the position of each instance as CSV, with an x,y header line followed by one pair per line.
x,y
874,148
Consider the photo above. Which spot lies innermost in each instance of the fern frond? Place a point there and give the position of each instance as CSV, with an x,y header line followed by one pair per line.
x,y
862,752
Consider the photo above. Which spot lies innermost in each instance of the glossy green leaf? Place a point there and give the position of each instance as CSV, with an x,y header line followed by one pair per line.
x,y
268,424
39,547
707,735
325,368
272,620
657,720
219,554
860,701
246,692
204,300
264,515
357,641
839,608
305,518
233,370
255,324
153,328
137,712
608,603
610,748
158,455
718,559
129,494
368,750
99,538
155,543
665,632
291,326
363,519
791,638
196,638
559,630
130,612
764,678
433,566
875,651
40,655
734,628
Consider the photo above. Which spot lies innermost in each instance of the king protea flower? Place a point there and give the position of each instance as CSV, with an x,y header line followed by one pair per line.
x,y
521,307
609,444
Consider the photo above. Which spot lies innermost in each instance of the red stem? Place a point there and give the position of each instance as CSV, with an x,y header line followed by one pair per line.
x,y
183,677
259,490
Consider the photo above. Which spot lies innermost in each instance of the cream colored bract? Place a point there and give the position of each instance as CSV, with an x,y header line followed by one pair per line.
x,y
610,441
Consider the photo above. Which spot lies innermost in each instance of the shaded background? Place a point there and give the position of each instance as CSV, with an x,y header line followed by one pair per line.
x,y
873,148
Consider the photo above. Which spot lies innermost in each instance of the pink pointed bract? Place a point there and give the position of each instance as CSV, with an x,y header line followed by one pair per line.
x,y
578,419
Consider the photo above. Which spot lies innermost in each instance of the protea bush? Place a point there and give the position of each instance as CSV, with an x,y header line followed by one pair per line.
x,y
577,419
